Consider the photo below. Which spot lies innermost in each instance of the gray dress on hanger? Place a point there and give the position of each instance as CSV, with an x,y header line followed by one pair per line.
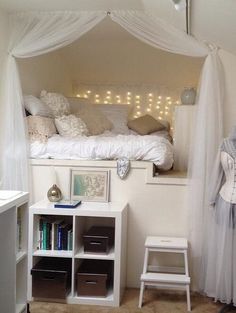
x,y
220,261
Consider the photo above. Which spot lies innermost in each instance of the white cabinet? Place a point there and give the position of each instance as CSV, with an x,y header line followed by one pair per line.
x,y
82,218
13,247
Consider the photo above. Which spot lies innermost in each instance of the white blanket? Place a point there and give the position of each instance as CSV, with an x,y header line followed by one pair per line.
x,y
152,148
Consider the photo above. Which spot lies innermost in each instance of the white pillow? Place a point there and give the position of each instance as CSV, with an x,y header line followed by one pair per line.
x,y
71,126
56,102
36,107
118,115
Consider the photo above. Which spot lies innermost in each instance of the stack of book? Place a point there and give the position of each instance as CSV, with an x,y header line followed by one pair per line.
x,y
54,234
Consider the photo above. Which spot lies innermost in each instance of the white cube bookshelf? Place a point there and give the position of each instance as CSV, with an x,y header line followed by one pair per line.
x,y
82,218
13,262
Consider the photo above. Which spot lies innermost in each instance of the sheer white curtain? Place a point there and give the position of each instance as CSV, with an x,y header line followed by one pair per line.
x,y
32,34
207,133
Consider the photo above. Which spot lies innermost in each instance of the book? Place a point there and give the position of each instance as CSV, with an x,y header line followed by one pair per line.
x,y
66,204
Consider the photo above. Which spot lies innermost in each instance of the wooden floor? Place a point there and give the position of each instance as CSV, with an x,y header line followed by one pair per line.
x,y
155,301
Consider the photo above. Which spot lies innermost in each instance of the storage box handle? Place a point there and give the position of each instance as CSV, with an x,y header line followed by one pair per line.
x,y
97,243
91,282
48,278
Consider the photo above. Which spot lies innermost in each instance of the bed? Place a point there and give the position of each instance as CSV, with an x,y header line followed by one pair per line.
x,y
109,137
153,148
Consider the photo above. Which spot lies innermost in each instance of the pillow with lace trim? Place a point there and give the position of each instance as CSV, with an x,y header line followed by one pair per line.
x,y
71,126
40,128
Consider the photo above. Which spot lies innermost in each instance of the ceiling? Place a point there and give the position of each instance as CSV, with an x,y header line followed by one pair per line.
x,y
211,20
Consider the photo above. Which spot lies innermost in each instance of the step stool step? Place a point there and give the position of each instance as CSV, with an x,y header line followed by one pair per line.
x,y
165,278
166,242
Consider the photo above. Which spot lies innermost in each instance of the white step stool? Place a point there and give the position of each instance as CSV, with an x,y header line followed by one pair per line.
x,y
165,280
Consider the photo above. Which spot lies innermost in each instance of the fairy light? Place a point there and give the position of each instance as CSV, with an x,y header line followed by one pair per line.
x,y
159,97
108,97
157,107
106,102
148,110
138,106
97,96
169,102
137,97
158,102
161,112
88,91
150,100
118,101
166,107
159,118
78,95
97,100
168,98
85,96
108,92
166,113
150,94
128,93
137,101
138,113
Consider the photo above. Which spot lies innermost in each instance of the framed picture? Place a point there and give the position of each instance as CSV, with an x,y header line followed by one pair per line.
x,y
89,185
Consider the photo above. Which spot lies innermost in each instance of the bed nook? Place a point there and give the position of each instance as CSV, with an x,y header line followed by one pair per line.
x,y
125,96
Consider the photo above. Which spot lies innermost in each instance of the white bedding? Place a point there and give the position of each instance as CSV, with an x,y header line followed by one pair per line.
x,y
154,148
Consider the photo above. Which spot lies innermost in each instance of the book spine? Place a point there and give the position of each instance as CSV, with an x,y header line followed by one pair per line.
x,y
44,235
59,243
53,236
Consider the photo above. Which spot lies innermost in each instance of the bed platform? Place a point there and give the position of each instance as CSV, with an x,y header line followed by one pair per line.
x,y
156,203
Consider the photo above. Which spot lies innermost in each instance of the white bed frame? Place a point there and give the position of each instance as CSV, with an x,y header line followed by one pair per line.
x,y
157,204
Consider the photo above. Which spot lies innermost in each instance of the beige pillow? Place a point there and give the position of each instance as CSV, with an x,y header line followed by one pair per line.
x,y
94,119
40,128
145,125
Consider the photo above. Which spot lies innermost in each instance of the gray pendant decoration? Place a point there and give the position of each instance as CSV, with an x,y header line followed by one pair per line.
x,y
54,194
123,167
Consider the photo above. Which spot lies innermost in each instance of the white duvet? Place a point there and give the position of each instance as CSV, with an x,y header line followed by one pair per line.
x,y
156,149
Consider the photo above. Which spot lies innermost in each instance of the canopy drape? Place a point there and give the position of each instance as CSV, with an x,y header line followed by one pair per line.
x,y
37,33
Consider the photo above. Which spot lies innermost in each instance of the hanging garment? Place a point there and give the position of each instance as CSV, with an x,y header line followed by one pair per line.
x,y
220,262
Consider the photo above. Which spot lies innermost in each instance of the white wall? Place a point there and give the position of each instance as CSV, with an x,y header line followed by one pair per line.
x,y
229,106
3,53
109,54
47,72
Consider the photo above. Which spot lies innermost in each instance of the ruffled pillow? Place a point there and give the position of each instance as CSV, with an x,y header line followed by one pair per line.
x,y
96,122
71,126
57,103
40,128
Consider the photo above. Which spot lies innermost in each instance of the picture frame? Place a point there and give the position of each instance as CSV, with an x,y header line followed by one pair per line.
x,y
90,185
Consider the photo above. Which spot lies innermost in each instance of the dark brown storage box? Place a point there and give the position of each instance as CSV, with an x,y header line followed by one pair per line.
x,y
51,278
94,278
98,239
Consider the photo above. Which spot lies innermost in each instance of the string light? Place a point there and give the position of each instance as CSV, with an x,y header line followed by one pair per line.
x,y
163,104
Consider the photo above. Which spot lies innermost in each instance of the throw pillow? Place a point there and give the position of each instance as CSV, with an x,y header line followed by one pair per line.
x,y
35,106
118,115
96,122
145,125
40,128
71,126
56,102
